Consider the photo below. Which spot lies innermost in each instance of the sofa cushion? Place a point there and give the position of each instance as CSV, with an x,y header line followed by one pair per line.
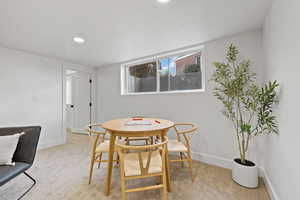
x,y
8,145
8,172
27,145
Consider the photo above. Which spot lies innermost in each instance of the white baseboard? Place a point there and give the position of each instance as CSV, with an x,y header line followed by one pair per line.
x,y
50,144
270,188
80,131
212,160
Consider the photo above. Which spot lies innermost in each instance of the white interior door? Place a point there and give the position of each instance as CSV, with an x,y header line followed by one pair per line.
x,y
69,101
81,101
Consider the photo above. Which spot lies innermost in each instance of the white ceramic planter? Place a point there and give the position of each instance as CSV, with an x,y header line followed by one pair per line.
x,y
246,176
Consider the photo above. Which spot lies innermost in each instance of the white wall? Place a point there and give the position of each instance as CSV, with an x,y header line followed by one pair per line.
x,y
31,94
215,143
282,50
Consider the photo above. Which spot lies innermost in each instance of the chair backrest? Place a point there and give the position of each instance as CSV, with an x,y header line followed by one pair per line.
x,y
141,151
188,128
100,135
27,145
92,129
182,129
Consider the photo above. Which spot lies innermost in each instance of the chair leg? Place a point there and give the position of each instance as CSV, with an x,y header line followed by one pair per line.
x,y
34,182
118,159
181,157
100,158
168,174
159,180
190,161
123,183
152,140
123,193
164,182
91,167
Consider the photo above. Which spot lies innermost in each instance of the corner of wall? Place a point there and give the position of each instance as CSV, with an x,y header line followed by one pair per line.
x,y
269,186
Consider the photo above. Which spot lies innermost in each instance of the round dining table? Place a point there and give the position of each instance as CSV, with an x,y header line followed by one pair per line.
x,y
134,127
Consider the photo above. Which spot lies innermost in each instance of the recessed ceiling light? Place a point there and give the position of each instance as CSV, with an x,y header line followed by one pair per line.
x,y
163,1
79,40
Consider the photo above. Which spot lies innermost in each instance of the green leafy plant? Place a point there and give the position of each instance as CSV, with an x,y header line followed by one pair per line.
x,y
247,105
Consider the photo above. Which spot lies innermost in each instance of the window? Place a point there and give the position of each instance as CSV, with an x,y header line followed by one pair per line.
x,y
181,72
142,77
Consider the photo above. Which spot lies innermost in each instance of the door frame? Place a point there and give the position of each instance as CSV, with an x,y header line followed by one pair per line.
x,y
93,73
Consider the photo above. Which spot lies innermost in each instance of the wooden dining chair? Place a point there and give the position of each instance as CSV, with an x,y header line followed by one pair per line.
x,y
181,144
138,162
100,145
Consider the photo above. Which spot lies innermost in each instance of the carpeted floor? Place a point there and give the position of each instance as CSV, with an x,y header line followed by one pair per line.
x,y
61,174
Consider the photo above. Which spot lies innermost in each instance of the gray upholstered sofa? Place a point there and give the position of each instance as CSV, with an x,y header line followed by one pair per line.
x,y
24,154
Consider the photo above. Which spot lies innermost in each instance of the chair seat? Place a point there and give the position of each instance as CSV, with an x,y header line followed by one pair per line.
x,y
104,146
132,165
176,146
9,172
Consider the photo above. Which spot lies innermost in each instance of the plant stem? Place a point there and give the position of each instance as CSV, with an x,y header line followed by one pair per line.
x,y
243,152
247,141
238,140
237,133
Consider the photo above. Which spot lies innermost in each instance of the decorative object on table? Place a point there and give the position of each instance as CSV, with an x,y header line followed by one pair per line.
x,y
23,156
140,162
248,106
181,144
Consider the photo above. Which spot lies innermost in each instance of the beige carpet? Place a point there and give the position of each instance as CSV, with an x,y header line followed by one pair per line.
x,y
61,173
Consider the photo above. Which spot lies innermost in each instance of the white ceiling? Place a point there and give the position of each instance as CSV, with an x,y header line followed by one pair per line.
x,y
121,30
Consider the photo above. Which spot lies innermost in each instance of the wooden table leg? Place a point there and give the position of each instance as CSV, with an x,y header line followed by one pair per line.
x,y
110,163
167,162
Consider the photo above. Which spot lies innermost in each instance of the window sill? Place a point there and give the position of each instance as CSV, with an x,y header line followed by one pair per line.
x,y
167,92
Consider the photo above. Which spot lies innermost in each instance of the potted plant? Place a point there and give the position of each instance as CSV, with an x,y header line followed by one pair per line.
x,y
248,106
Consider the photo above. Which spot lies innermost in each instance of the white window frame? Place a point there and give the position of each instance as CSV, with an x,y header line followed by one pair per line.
x,y
124,67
